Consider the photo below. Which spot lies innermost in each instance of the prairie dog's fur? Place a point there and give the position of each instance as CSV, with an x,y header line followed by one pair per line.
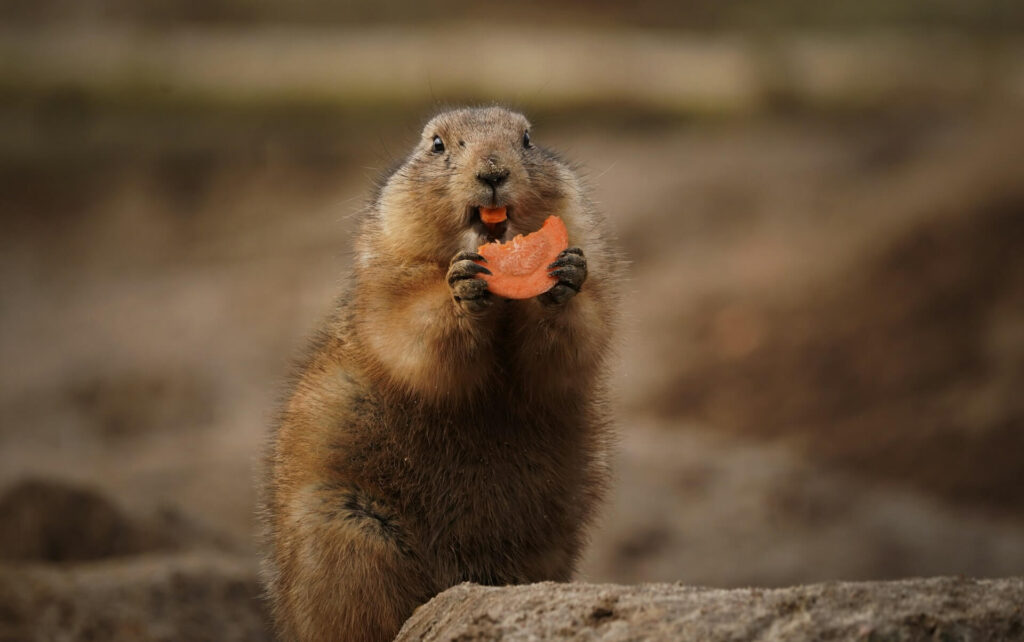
x,y
436,434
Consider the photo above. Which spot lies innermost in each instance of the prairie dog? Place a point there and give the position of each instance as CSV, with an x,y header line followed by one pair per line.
x,y
436,433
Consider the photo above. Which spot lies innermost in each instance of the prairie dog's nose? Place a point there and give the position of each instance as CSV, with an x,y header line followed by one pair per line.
x,y
492,173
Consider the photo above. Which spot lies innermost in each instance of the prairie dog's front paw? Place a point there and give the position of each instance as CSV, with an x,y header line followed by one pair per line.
x,y
570,268
469,291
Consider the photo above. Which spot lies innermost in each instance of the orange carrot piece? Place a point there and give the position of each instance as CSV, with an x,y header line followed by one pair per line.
x,y
519,268
492,216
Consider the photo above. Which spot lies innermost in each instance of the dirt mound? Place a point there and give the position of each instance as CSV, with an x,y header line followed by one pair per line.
x,y
186,597
909,366
45,520
710,510
932,609
75,565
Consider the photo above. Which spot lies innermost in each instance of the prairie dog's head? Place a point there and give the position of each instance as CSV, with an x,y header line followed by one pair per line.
x,y
467,159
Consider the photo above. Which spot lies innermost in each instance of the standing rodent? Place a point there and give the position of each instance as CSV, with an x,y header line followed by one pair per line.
x,y
435,433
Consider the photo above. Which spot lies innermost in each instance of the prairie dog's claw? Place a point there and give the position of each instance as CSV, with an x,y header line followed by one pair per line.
x,y
570,268
469,291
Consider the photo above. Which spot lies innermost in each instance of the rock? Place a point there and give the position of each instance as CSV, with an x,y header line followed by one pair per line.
x,y
907,610
711,510
53,520
43,520
209,596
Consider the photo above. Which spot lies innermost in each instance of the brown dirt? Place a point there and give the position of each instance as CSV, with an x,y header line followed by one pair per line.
x,y
906,366
149,598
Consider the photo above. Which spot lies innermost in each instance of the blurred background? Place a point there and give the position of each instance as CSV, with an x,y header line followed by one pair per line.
x,y
821,374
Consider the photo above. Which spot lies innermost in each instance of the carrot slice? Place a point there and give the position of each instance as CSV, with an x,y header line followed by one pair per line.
x,y
519,268
492,216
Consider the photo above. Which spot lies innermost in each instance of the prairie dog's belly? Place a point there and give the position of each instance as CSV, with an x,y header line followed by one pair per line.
x,y
464,499
492,520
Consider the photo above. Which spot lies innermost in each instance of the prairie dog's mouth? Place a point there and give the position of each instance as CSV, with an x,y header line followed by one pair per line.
x,y
490,224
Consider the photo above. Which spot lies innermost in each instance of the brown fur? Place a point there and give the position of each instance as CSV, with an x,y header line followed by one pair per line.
x,y
437,434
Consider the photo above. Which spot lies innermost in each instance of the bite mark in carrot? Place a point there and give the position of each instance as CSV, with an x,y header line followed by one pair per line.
x,y
519,268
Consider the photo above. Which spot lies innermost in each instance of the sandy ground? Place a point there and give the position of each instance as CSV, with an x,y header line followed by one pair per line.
x,y
151,303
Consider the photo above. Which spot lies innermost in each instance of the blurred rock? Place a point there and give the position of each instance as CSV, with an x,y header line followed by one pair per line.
x,y
47,520
187,597
910,610
710,510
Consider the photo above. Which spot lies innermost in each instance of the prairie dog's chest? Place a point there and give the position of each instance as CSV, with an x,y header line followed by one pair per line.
x,y
480,472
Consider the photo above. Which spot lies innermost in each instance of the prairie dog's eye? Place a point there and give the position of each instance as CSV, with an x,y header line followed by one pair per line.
x,y
526,139
438,146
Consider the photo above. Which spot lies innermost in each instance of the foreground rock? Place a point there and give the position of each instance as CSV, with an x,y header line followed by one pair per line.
x,y
908,610
147,598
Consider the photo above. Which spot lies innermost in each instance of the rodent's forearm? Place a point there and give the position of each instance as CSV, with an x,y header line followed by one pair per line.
x,y
422,340
565,346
